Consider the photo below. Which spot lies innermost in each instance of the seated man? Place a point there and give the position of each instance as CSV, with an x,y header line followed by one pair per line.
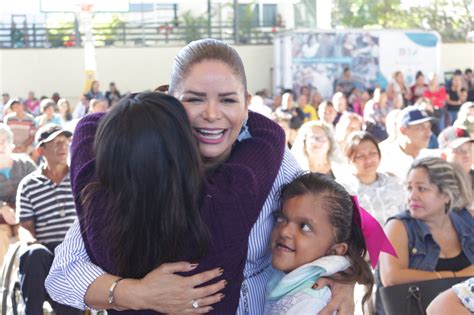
x,y
414,133
46,208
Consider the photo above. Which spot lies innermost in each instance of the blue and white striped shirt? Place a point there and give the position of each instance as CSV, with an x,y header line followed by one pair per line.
x,y
72,271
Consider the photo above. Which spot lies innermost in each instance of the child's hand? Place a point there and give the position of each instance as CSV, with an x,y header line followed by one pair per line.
x,y
342,300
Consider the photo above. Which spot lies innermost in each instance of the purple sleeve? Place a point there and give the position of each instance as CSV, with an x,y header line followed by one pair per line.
x,y
82,155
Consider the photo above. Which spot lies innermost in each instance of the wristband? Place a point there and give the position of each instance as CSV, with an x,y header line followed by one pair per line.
x,y
112,290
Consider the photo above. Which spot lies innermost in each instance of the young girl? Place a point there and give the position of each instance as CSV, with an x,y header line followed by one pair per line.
x,y
317,234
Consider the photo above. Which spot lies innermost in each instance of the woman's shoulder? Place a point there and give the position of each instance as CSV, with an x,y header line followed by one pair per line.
x,y
90,120
398,227
389,180
351,183
403,216
258,121
463,217
339,168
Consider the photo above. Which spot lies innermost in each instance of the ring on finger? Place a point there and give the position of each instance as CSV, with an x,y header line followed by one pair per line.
x,y
195,304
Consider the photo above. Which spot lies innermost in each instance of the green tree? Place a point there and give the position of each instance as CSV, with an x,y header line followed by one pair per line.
x,y
194,27
247,21
370,13
108,30
453,19
305,13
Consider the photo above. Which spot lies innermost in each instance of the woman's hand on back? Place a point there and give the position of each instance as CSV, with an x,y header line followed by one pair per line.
x,y
164,291
342,300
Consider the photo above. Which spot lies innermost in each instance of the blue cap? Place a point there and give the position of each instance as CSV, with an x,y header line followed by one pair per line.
x,y
411,115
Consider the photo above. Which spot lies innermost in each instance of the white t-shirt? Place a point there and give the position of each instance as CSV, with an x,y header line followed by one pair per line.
x,y
395,161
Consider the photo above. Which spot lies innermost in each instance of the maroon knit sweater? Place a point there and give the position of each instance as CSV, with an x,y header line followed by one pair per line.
x,y
234,196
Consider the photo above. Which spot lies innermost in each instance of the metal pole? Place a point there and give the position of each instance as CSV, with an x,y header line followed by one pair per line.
x,y
77,31
209,31
236,22
143,24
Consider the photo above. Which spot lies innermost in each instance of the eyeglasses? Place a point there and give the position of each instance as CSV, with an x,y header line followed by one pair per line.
x,y
321,139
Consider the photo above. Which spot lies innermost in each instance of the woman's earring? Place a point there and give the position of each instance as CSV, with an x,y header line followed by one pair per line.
x,y
447,206
244,132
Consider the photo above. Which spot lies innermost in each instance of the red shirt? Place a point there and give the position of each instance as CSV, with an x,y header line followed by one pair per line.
x,y
437,97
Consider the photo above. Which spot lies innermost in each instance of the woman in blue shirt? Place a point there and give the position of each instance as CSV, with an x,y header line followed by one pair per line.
x,y
434,238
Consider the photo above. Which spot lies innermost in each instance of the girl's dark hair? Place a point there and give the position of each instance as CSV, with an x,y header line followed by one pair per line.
x,y
355,139
202,50
149,168
340,208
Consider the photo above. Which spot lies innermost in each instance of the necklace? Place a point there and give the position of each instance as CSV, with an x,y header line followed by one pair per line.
x,y
60,205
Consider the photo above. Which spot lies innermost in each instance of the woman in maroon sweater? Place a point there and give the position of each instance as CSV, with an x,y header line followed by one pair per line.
x,y
245,163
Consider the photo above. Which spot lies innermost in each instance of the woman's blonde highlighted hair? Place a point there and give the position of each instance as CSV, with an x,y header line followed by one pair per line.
x,y
449,178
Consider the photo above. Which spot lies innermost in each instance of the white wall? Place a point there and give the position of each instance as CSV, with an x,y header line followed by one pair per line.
x,y
136,69
46,71
457,56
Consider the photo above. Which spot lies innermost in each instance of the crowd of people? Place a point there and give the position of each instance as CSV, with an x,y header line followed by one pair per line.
x,y
222,213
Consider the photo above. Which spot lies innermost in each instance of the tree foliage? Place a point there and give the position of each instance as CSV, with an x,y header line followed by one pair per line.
x,y
453,19
195,27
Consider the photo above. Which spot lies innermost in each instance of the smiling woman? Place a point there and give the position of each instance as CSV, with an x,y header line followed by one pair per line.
x,y
378,192
236,201
245,164
216,102
316,149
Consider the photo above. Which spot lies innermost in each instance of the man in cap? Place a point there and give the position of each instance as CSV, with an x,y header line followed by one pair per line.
x,y
414,132
457,146
45,206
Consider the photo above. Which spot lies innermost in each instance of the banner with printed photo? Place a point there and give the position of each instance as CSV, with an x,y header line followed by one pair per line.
x,y
321,57
318,58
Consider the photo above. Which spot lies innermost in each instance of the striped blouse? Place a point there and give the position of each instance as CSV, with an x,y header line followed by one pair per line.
x,y
72,271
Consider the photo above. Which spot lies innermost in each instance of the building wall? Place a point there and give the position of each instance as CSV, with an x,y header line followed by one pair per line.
x,y
137,69
457,56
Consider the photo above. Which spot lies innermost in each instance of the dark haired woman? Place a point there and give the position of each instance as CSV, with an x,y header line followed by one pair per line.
x,y
209,79
379,193
419,88
94,91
